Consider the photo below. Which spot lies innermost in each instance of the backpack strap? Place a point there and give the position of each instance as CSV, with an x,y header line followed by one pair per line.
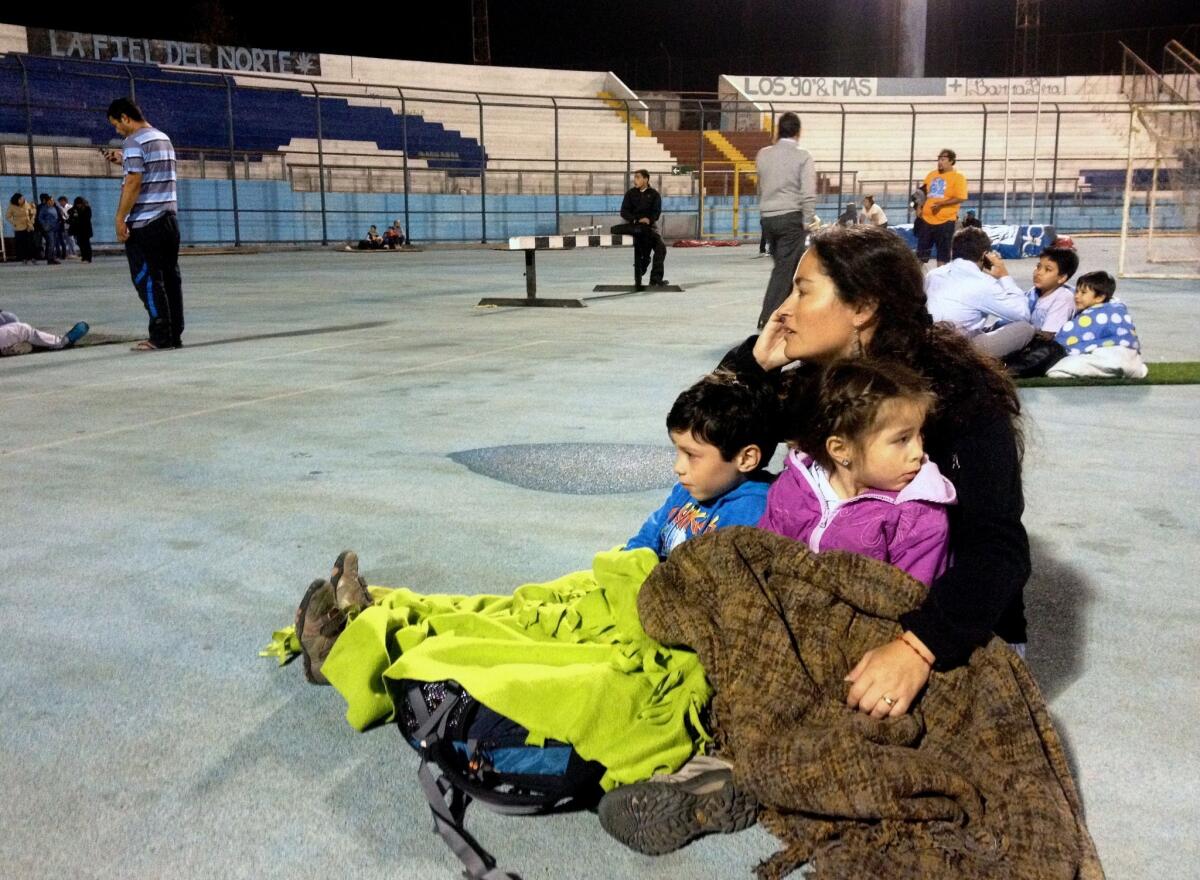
x,y
447,801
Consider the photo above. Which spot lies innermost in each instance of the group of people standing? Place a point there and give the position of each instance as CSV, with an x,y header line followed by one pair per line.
x,y
53,230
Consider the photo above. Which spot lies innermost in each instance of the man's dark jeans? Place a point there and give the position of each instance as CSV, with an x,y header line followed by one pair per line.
x,y
153,253
931,236
646,241
785,240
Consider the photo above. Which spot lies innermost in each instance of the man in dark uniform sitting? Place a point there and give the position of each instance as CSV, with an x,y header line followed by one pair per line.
x,y
640,210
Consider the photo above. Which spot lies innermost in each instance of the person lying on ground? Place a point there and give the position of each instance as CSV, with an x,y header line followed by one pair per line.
x,y
17,337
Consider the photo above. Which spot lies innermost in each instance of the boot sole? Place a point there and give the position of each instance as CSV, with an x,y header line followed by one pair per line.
x,y
654,818
314,675
349,595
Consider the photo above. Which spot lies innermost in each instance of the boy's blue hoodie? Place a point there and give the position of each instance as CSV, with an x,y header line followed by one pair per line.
x,y
683,517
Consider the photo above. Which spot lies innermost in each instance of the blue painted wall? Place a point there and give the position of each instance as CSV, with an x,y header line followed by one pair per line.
x,y
269,211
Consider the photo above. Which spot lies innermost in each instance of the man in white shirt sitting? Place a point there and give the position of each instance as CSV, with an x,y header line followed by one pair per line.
x,y
975,293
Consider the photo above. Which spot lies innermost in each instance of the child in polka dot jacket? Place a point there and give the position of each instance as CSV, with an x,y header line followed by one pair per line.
x,y
1100,320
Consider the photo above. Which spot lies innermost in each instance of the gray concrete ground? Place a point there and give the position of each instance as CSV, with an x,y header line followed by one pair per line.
x,y
163,513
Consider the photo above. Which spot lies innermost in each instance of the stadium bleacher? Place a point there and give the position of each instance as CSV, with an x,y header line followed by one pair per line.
x,y
445,130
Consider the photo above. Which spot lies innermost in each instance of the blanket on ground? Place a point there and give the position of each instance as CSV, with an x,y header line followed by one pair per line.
x,y
566,659
972,783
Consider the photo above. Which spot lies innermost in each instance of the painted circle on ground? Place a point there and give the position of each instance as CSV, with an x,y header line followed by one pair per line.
x,y
574,468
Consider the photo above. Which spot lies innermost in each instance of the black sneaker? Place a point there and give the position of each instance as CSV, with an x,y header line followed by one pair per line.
x,y
661,282
665,813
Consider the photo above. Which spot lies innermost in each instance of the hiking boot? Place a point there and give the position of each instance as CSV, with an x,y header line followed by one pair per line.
x,y
319,622
350,588
667,812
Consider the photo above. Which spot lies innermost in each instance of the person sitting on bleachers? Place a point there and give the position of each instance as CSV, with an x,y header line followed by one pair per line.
x,y
974,291
393,236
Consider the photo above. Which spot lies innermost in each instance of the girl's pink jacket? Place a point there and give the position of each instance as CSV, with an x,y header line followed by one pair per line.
x,y
910,528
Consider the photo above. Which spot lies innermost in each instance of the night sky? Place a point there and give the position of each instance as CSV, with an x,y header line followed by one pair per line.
x,y
654,44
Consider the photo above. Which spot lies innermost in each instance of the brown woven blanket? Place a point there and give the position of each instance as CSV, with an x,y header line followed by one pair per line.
x,y
972,783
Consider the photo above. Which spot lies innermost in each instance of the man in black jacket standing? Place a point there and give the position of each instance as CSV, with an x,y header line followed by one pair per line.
x,y
640,210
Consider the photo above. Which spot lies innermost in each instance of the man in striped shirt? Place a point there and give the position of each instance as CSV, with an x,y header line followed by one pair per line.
x,y
146,222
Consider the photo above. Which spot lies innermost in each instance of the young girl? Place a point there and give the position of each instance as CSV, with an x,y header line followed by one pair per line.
x,y
864,483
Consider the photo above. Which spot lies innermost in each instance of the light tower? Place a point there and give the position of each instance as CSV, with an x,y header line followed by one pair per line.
x,y
481,45
1026,36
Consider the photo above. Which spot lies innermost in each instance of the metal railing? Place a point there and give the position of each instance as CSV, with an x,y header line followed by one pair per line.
x,y
475,193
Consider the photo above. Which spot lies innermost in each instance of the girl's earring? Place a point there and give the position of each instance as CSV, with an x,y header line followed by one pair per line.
x,y
845,462
857,349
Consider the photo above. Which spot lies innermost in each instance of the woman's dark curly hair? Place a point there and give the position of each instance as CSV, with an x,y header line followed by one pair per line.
x,y
16,198
870,264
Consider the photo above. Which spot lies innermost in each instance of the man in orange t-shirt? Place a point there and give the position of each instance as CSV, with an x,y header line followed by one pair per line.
x,y
947,190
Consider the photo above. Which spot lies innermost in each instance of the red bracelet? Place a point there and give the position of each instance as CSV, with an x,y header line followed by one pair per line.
x,y
914,650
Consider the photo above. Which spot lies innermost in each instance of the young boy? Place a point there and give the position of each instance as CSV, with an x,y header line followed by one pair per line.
x,y
1051,301
1026,347
1100,321
724,431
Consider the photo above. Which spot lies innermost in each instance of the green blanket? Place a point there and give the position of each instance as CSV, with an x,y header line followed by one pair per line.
x,y
567,659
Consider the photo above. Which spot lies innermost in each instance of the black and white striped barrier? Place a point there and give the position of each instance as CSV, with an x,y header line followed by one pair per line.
x,y
531,244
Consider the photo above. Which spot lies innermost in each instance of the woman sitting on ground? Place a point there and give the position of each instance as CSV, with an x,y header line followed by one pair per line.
x,y
858,291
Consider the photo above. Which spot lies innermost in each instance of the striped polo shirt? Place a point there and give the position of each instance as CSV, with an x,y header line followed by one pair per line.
x,y
148,152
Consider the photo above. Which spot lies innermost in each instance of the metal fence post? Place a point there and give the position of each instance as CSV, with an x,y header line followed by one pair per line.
x,y
557,214
237,228
321,169
482,176
1054,166
841,157
28,127
628,146
912,149
408,236
700,221
983,162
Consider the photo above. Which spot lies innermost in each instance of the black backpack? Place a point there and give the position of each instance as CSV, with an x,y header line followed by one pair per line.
x,y
481,755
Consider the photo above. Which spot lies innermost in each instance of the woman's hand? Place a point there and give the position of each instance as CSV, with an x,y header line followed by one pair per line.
x,y
894,671
769,347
